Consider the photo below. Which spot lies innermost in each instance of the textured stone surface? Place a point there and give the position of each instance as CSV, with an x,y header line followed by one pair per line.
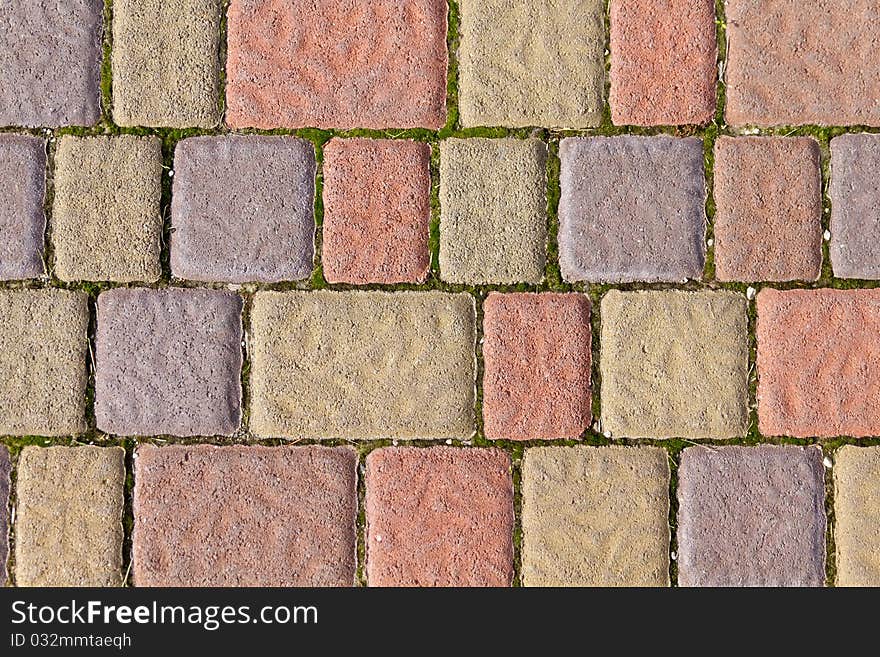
x,y
818,362
354,63
855,206
244,516
663,56
493,205
50,60
857,515
793,63
751,516
674,364
531,64
68,516
43,355
168,362
5,469
362,365
377,211
632,209
536,354
22,218
768,220
166,63
595,516
106,221
242,209
439,516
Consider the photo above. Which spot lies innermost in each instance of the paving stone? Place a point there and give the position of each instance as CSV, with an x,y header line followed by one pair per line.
x,y
68,516
106,219
166,63
521,65
244,516
855,206
377,211
242,209
751,516
362,365
439,516
43,355
768,220
632,209
168,362
796,63
536,353
857,515
50,61
22,218
595,516
818,363
493,205
355,63
663,55
5,469
674,364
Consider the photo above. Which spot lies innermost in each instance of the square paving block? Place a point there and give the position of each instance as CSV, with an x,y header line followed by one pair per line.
x,y
857,515
22,217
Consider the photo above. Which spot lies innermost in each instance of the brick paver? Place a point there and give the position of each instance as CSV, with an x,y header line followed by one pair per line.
x,y
857,515
377,211
522,64
751,516
632,209
43,356
768,197
368,64
68,516
663,69
674,364
441,516
106,222
168,362
595,516
242,209
5,470
536,354
22,218
493,205
244,516
362,365
50,60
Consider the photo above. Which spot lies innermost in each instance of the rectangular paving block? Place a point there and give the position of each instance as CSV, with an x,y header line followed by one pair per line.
x,y
663,68
527,65
244,516
106,221
797,63
595,516
43,356
855,206
536,378
857,515
768,198
68,516
168,362
751,516
166,63
22,217
50,62
242,209
377,211
818,363
362,365
632,209
5,470
439,516
493,211
368,64
674,364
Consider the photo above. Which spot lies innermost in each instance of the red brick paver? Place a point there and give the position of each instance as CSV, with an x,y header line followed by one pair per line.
x,y
22,218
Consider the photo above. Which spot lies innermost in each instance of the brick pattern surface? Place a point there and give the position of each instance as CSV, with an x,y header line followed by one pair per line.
x,y
857,511
22,218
